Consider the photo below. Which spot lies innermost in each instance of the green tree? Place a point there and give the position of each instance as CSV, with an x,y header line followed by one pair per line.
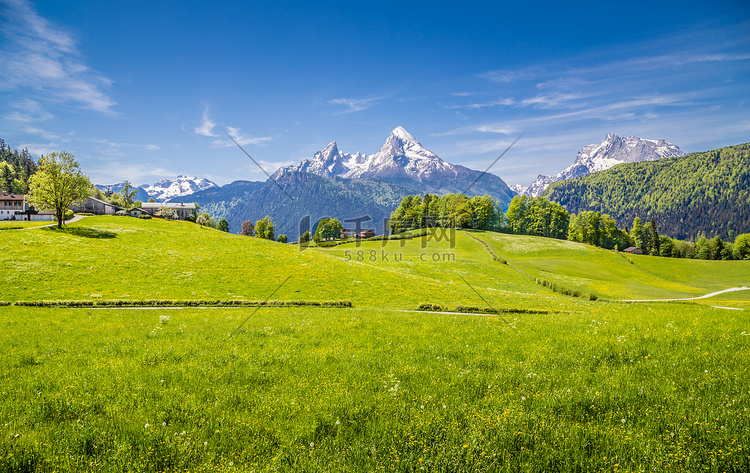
x,y
6,177
224,225
58,183
742,246
151,200
328,229
282,238
128,193
264,228
306,237
636,234
248,228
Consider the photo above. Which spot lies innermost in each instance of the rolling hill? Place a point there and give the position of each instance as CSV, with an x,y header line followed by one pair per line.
x,y
704,193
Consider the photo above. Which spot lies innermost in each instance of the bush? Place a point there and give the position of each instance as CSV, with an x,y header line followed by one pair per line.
x,y
144,216
68,215
431,307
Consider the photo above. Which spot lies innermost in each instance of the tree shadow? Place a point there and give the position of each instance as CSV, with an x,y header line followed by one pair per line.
x,y
84,232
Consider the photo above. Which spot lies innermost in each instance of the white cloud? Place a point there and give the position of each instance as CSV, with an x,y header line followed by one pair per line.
x,y
206,128
43,58
152,147
44,134
355,105
241,139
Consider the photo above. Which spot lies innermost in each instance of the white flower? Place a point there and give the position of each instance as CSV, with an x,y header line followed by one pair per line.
x,y
312,444
147,426
205,443
623,421
164,424
421,407
338,422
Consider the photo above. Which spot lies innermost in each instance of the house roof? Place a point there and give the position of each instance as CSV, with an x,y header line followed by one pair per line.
x,y
632,248
171,205
105,202
9,196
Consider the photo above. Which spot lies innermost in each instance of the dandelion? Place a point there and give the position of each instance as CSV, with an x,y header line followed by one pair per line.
x,y
205,444
147,426
312,444
338,422
623,421
164,424
421,407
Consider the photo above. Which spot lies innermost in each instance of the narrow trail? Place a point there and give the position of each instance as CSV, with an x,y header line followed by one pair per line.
x,y
72,220
497,258
706,296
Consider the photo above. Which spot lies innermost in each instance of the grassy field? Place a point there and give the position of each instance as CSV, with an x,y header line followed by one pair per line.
x,y
16,224
615,387
587,386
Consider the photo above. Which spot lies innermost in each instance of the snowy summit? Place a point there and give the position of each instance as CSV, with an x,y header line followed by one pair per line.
x,y
610,151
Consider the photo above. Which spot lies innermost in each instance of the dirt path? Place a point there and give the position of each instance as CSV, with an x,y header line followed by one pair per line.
x,y
74,219
706,296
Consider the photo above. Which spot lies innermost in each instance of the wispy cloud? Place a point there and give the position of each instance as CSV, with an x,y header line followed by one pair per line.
x,y
206,128
41,57
356,105
152,147
43,133
241,138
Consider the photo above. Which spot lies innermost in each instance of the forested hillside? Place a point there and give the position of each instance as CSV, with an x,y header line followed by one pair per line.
x,y
15,169
698,194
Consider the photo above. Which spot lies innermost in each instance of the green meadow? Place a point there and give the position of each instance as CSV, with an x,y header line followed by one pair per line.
x,y
578,385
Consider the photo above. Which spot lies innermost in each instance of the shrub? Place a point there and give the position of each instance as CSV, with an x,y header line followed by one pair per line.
x,y
144,216
68,214
431,307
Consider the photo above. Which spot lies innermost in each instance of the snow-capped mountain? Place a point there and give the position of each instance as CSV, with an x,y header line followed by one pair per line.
x,y
169,189
609,152
518,189
402,160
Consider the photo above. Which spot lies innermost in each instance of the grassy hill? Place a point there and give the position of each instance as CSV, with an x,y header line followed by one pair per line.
x,y
700,193
583,386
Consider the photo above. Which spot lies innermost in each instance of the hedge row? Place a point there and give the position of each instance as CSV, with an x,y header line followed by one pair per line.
x,y
559,288
479,310
178,303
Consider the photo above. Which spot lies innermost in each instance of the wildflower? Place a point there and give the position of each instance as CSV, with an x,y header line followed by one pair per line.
x,y
312,444
147,426
623,421
164,424
338,422
205,443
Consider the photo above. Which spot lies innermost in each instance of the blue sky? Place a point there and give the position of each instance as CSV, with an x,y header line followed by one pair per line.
x,y
143,90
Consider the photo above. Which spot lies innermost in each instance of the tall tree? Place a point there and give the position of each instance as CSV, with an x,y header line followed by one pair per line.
x,y
224,225
264,228
128,194
58,183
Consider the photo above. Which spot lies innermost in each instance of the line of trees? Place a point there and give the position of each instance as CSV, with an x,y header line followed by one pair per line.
x,y
541,217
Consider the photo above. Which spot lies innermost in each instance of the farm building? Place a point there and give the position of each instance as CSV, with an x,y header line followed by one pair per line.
x,y
366,234
181,209
10,205
633,250
95,206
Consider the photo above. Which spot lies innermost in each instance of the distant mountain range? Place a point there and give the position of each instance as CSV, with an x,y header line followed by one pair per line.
x,y
347,186
610,151
166,189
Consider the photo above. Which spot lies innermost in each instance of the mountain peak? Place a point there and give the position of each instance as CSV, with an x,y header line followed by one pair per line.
x,y
610,151
401,133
